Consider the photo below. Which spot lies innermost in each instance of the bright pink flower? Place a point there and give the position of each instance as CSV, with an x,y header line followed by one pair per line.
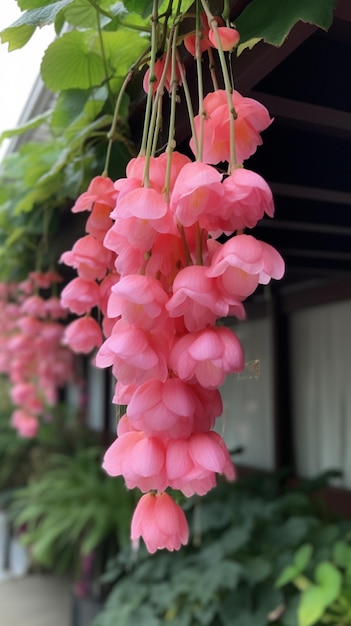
x,y
160,522
246,197
197,298
139,459
252,118
30,326
164,409
27,425
80,295
207,356
136,355
138,300
99,221
105,289
147,205
158,71
54,308
191,464
157,169
83,334
242,263
205,44
101,190
196,192
229,38
35,306
89,257
26,395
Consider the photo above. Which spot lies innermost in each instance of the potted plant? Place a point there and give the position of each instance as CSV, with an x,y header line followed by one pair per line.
x,y
72,519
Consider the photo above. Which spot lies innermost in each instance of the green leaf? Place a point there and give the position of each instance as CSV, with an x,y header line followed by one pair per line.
x,y
311,607
302,557
35,122
82,14
23,28
257,569
342,553
70,62
33,4
272,20
17,37
329,579
287,576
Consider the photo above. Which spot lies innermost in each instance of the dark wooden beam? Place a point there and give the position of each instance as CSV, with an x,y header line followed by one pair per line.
x,y
311,193
314,117
253,65
311,227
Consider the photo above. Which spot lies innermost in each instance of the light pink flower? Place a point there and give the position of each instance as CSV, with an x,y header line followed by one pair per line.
x,y
192,464
89,257
139,459
138,300
197,191
229,38
80,295
196,298
136,355
207,356
99,221
252,118
246,198
35,306
160,522
27,425
101,190
241,264
82,335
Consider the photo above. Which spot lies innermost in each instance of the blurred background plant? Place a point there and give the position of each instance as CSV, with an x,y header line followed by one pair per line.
x,y
246,538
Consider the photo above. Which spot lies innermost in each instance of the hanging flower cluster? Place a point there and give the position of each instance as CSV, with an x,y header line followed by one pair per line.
x,y
32,355
152,262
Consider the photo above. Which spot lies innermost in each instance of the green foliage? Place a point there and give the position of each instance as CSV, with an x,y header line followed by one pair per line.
x,y
74,509
244,536
272,20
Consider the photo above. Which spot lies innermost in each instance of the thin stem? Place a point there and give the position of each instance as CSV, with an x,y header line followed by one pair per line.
x,y
102,48
172,116
200,89
158,126
212,67
154,23
228,87
188,258
189,105
198,245
100,10
112,131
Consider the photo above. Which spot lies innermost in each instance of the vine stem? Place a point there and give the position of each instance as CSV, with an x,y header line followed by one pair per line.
x,y
171,128
228,86
200,89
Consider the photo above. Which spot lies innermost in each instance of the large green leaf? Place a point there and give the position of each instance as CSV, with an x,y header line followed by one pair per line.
x,y
71,62
329,579
272,20
22,29
35,122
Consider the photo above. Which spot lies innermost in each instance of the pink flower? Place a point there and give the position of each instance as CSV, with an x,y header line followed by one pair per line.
x,y
35,306
229,37
136,355
207,356
80,295
197,298
83,334
160,522
196,192
54,309
100,190
89,257
242,263
139,459
164,409
138,300
191,464
99,221
27,425
157,169
252,118
246,197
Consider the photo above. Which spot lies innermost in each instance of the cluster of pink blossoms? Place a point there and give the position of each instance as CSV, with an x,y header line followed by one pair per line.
x,y
32,355
152,263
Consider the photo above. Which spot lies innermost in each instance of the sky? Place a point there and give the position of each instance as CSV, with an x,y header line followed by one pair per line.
x,y
18,69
